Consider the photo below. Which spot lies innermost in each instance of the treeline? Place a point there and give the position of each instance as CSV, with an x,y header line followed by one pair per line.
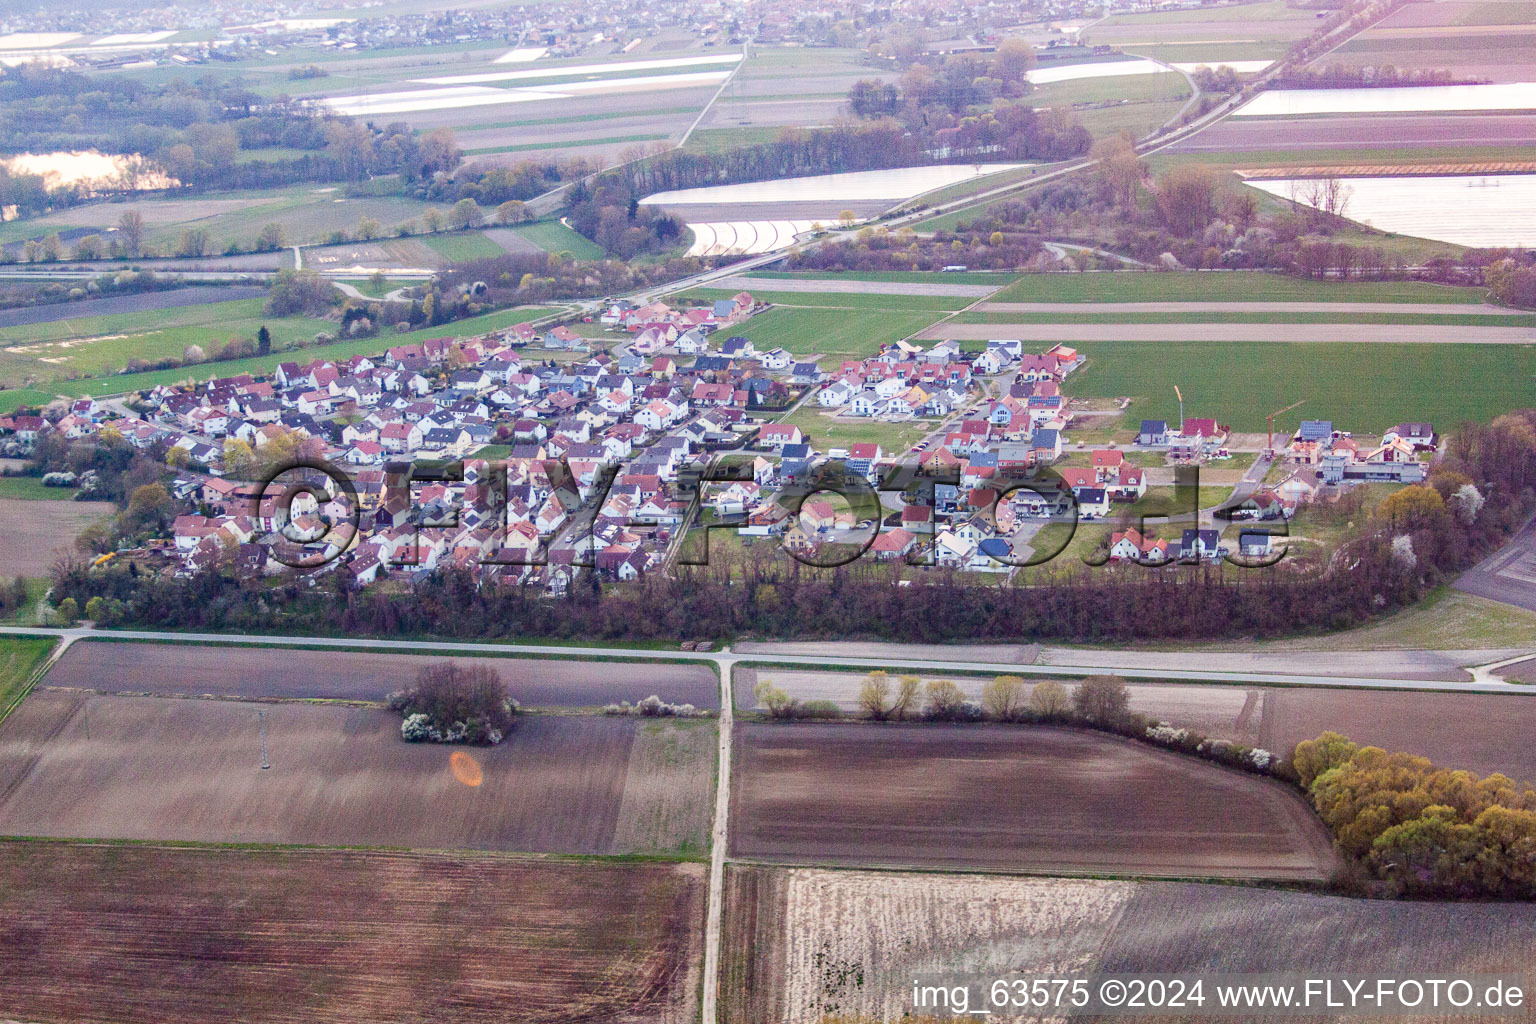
x,y
1345,76
1483,488
521,278
1424,830
882,249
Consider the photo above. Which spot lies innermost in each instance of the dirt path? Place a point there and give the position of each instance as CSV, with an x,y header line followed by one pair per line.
x,y
715,912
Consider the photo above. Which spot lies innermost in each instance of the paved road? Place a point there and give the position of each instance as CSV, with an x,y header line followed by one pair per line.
x,y
1288,668
1398,308
1396,334
1507,575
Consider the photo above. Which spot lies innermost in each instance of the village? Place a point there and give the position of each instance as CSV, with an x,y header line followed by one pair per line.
x,y
521,470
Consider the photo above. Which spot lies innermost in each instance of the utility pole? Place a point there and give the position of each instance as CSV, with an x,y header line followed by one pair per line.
x,y
261,719
1269,444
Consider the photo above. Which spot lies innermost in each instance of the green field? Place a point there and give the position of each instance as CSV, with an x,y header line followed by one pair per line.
x,y
1211,286
1360,387
1424,319
30,488
383,288
308,214
93,346
553,236
528,146
716,140
838,332
458,246
115,384
997,277
15,398
840,300
19,658
1156,87
1136,119
823,432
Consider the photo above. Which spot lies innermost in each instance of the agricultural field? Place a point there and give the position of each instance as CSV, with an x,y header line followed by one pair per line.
x,y
594,108
1036,799
895,296
459,246
783,88
126,767
307,214
1211,34
1492,40
1416,723
102,345
32,488
172,298
19,658
118,383
853,333
288,674
1360,139
956,283
110,932
33,534
553,236
1194,286
801,943
1367,386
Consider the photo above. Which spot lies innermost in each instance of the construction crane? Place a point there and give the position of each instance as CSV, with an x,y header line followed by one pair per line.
x,y
1181,405
1269,446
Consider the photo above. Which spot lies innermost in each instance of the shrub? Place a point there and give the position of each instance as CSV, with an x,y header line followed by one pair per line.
x,y
455,703
944,701
1102,700
1003,698
654,707
819,709
1050,700
778,703
875,696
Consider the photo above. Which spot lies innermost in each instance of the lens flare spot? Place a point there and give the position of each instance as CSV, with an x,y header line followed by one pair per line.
x,y
465,768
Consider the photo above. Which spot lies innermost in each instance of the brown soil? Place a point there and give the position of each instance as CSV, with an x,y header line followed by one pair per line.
x,y
185,936
277,672
1025,799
